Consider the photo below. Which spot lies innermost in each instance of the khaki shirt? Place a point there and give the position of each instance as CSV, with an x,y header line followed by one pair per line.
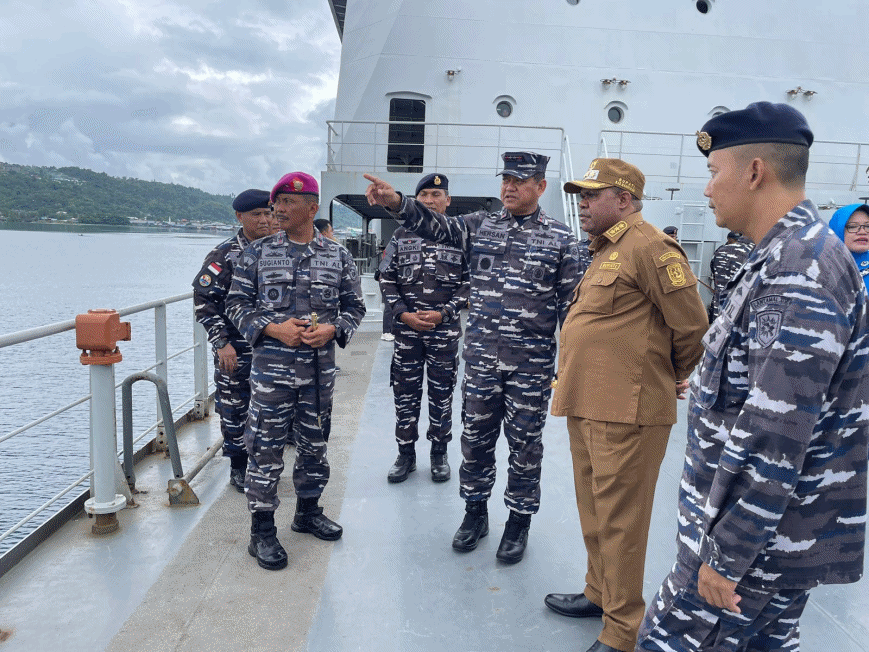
x,y
633,329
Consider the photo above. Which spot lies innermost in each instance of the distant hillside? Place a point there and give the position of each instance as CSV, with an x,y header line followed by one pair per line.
x,y
30,193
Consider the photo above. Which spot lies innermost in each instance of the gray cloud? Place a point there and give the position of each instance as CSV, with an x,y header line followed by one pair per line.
x,y
213,95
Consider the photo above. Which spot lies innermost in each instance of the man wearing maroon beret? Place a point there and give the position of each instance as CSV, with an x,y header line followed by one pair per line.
x,y
293,296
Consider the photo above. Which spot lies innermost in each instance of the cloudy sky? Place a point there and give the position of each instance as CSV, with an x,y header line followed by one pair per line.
x,y
221,96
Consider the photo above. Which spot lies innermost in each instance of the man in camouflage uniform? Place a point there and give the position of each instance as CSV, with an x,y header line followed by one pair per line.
x,y
631,338
424,285
726,261
773,495
231,352
279,283
524,268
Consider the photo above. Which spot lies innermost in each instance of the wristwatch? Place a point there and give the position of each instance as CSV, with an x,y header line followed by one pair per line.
x,y
220,342
445,316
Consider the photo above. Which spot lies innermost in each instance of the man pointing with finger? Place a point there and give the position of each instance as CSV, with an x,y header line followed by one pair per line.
x,y
523,267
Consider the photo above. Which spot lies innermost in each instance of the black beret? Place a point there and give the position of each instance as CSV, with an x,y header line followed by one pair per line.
x,y
733,235
670,230
760,122
438,181
250,200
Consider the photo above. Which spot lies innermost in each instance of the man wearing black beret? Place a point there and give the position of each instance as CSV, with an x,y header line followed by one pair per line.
x,y
424,286
232,354
772,500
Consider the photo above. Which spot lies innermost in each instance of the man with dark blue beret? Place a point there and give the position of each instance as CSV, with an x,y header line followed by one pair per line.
x,y
524,267
424,285
772,500
232,354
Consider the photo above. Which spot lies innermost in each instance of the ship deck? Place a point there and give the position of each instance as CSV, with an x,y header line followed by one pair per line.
x,y
181,578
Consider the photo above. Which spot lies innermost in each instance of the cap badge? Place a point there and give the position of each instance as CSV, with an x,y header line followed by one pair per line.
x,y
437,181
298,184
704,141
591,175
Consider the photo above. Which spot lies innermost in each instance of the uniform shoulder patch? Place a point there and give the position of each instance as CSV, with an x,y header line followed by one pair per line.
x,y
676,275
205,280
768,315
670,254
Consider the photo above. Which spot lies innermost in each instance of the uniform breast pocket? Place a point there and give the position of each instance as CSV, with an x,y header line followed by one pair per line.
x,y
598,293
448,265
541,269
325,294
486,258
276,289
408,273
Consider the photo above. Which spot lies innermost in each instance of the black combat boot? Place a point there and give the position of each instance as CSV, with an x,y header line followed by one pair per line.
x,y
440,467
237,469
474,527
264,544
309,518
404,463
515,538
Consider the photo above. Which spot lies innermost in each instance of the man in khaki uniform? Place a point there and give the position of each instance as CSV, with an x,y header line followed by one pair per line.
x,y
631,337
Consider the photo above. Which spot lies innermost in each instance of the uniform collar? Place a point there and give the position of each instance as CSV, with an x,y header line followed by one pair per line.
x,y
242,238
538,216
617,230
799,216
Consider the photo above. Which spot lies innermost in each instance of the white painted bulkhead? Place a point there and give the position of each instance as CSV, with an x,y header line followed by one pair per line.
x,y
668,68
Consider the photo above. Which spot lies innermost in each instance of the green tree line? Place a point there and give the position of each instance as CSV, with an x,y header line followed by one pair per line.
x,y
28,193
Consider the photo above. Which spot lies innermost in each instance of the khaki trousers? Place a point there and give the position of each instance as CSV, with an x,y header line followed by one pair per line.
x,y
615,469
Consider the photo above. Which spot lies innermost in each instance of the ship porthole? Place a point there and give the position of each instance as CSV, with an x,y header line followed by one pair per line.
x,y
615,112
504,109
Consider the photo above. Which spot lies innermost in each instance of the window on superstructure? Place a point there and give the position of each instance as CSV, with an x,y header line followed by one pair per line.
x,y
406,135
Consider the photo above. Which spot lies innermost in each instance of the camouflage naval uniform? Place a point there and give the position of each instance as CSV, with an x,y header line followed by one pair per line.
x,y
276,280
232,389
418,274
522,280
773,493
726,261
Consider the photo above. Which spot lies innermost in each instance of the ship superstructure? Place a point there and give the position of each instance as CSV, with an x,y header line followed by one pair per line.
x,y
448,86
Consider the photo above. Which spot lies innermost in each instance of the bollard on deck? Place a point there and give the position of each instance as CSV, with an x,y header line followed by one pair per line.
x,y
97,334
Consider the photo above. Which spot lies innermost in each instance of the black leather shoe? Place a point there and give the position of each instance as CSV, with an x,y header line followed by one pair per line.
x,y
404,464
440,467
309,518
236,479
575,605
515,538
602,647
264,544
474,526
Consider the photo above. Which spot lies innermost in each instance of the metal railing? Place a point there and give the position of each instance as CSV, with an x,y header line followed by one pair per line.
x,y
834,164
363,146
199,397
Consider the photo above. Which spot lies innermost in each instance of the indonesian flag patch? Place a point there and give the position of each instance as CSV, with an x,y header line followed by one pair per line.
x,y
215,268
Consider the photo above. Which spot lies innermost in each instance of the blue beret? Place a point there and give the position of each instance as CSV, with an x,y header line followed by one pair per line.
x,y
438,181
523,165
760,122
250,200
